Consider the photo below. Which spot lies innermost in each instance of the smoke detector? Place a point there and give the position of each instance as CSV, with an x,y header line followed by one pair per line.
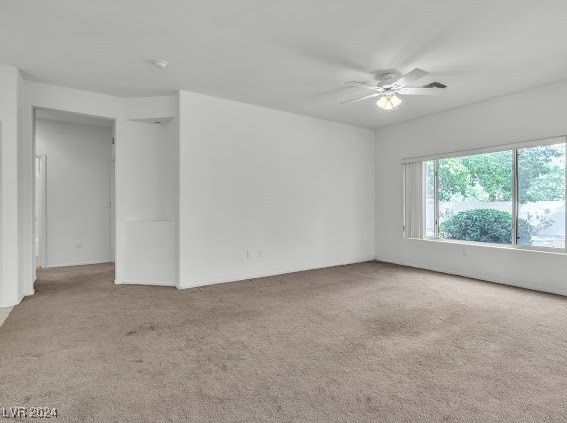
x,y
160,63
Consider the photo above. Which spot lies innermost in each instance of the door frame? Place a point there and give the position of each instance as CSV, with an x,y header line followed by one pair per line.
x,y
42,211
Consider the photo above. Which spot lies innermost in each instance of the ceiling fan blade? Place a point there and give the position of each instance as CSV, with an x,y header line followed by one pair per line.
x,y
413,76
421,91
361,98
363,85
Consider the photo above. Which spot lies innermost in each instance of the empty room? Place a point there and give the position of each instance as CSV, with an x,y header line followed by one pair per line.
x,y
300,211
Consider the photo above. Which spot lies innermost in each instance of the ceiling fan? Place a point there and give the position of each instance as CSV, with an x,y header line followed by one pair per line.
x,y
387,90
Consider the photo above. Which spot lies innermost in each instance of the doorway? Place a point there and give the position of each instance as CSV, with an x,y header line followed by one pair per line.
x,y
74,204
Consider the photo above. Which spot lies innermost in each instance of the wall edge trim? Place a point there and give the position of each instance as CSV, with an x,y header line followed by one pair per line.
x,y
240,278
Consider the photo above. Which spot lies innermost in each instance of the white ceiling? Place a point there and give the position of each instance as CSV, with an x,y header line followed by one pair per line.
x,y
290,55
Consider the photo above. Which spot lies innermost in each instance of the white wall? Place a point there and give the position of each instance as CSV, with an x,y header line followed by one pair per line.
x,y
25,164
149,172
147,226
11,286
78,191
504,120
315,176
299,189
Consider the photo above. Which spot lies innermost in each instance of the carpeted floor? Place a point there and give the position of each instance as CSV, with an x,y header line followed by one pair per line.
x,y
368,342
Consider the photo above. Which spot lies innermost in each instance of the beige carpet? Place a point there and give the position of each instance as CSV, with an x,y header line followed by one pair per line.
x,y
368,342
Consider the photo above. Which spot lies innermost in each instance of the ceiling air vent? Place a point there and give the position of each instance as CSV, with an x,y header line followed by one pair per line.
x,y
435,85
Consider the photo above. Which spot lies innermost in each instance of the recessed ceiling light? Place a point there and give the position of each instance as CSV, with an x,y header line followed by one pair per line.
x,y
160,63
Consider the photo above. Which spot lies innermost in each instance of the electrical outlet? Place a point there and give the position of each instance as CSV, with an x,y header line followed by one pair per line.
x,y
78,244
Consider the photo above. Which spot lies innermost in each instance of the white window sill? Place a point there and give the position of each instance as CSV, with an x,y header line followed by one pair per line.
x,y
528,248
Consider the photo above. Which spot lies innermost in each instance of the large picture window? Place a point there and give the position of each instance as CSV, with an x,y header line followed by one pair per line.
x,y
512,196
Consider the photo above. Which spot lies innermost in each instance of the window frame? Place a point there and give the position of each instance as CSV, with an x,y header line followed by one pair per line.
x,y
515,192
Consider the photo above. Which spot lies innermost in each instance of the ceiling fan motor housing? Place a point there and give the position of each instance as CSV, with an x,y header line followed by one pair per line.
x,y
388,76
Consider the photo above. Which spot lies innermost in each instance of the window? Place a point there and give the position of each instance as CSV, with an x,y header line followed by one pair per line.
x,y
541,196
513,196
475,197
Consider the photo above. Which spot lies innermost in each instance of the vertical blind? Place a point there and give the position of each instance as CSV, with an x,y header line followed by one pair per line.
x,y
414,182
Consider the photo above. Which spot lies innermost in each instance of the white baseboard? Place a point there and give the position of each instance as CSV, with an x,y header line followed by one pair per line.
x,y
19,300
138,282
4,314
85,263
265,275
474,276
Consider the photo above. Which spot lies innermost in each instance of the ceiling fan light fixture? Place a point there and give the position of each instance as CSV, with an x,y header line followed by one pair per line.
x,y
396,101
389,86
389,102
